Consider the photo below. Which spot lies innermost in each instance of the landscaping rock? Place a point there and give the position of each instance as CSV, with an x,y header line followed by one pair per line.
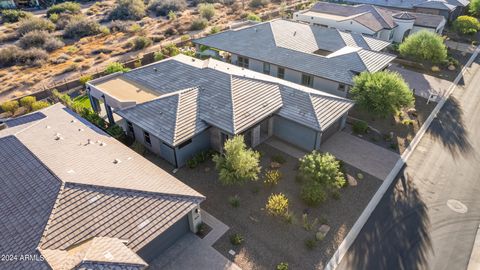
x,y
351,180
231,252
274,165
322,232
360,176
451,67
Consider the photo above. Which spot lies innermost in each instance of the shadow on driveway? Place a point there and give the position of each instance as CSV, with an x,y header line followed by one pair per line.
x,y
448,127
396,235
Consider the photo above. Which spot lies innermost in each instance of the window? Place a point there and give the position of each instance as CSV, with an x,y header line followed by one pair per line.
x,y
130,129
146,136
307,80
281,72
185,143
266,68
341,87
243,61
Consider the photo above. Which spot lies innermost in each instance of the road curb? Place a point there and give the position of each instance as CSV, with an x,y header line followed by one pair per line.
x,y
357,227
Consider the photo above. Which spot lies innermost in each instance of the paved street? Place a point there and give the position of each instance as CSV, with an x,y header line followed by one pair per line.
x,y
429,219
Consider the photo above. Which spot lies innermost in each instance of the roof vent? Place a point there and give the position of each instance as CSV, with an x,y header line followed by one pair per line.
x,y
73,121
155,69
116,161
103,143
89,141
58,137
294,33
48,127
80,129
143,224
108,256
71,171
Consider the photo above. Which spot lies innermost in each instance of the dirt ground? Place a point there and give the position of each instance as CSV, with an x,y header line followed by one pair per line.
x,y
403,134
270,240
90,54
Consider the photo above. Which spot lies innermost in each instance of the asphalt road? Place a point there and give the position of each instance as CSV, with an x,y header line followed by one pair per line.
x,y
413,227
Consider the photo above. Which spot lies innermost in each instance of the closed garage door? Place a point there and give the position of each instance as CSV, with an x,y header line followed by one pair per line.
x,y
165,240
331,130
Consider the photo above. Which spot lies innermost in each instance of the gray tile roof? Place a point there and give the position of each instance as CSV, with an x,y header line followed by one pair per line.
x,y
226,96
28,191
410,4
292,45
375,18
58,195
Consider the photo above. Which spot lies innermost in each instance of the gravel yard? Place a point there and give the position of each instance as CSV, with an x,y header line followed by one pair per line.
x,y
270,240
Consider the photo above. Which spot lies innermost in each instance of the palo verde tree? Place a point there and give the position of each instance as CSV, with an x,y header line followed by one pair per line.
x,y
424,46
237,164
474,7
381,93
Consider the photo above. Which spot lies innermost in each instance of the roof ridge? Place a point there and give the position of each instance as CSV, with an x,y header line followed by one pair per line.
x,y
47,226
314,111
232,77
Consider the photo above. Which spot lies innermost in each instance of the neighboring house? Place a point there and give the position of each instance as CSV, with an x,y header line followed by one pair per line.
x,y
182,105
20,3
383,23
450,9
75,198
318,57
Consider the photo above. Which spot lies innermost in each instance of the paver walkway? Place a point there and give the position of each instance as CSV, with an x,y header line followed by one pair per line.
x,y
192,252
361,154
422,83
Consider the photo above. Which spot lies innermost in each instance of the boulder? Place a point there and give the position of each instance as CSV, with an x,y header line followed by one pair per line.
x,y
359,176
451,67
351,180
322,232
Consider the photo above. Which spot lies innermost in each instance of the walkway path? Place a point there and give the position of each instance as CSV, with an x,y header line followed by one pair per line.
x,y
361,154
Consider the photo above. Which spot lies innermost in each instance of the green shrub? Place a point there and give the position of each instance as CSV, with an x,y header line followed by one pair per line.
x,y
282,266
65,7
236,239
253,17
258,3
311,243
54,18
116,67
140,43
308,226
215,29
424,46
14,15
27,101
466,25
170,50
32,57
85,78
172,15
207,11
163,7
38,105
234,201
277,204
278,158
115,131
381,93
199,24
9,106
40,39
157,56
360,127
322,175
34,23
408,122
128,10
237,164
81,26
272,177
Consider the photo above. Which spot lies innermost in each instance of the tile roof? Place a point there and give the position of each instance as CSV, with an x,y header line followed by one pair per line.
x,y
373,17
410,4
280,41
59,202
226,96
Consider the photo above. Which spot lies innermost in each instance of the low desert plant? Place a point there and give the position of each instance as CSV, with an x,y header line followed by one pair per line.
x,y
170,50
258,3
172,15
8,55
215,29
234,201
139,43
307,225
40,39
65,7
81,26
253,17
32,57
360,127
128,10
85,78
9,106
311,243
282,266
207,11
38,105
163,7
277,204
272,177
157,56
14,15
27,101
34,23
236,239
408,122
199,24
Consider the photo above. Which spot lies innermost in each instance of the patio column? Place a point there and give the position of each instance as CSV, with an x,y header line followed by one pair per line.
x,y
108,109
194,219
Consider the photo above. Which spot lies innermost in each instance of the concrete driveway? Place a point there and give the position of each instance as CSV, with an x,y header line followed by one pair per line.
x,y
422,83
366,156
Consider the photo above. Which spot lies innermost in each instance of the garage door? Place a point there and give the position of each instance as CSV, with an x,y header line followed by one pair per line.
x,y
331,130
165,240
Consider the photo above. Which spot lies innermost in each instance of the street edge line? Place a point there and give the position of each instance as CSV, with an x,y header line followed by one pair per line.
x,y
357,227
